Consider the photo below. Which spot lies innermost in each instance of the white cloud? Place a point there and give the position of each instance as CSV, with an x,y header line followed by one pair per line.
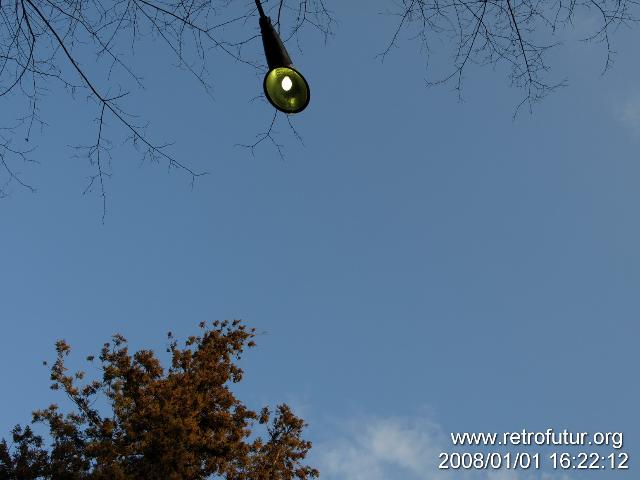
x,y
628,112
369,449
515,475
396,449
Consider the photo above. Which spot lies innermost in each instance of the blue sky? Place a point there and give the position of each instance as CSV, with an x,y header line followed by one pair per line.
x,y
420,265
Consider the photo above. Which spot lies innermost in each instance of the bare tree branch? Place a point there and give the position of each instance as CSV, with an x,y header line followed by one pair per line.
x,y
506,32
44,45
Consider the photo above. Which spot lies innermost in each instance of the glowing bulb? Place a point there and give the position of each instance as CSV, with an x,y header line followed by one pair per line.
x,y
286,84
286,89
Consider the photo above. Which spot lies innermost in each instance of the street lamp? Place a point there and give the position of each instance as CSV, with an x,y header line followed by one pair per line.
x,y
285,87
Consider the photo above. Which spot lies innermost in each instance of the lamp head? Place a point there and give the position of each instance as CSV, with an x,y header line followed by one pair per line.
x,y
285,87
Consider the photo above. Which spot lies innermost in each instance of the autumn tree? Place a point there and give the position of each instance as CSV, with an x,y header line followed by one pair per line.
x,y
177,423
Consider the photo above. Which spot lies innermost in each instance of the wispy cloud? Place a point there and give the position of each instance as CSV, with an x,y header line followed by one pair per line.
x,y
396,449
628,112
372,448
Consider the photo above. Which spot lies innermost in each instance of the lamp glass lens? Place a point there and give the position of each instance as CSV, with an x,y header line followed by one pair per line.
x,y
286,89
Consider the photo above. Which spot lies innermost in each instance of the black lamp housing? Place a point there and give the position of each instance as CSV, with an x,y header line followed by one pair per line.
x,y
274,49
285,88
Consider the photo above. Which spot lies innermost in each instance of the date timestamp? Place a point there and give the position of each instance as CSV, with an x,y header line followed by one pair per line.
x,y
589,461
526,461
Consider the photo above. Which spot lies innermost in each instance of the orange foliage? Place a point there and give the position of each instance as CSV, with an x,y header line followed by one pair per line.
x,y
180,423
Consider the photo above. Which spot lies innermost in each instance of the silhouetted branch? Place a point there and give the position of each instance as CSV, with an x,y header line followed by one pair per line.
x,y
44,45
495,32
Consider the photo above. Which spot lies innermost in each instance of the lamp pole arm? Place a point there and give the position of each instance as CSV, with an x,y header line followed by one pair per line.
x,y
274,49
260,10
